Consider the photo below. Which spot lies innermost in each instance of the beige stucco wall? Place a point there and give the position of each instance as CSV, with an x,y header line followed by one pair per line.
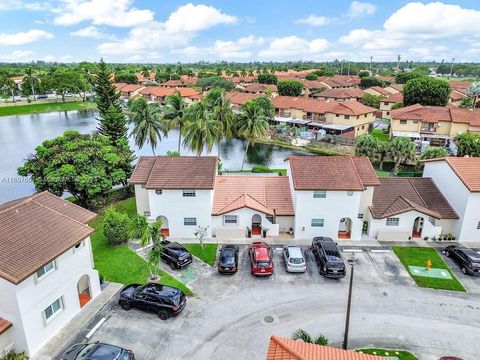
x,y
411,125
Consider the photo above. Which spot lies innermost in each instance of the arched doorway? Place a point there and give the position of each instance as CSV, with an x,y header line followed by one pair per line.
x,y
83,288
165,230
344,228
256,224
417,227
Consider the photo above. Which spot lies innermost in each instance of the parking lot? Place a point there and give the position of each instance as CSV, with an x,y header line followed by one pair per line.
x,y
233,316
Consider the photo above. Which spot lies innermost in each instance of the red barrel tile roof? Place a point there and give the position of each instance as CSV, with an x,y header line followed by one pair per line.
x,y
4,325
466,168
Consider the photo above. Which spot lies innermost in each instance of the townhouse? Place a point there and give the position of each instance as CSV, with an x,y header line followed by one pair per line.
x,y
378,91
46,269
129,90
183,83
159,94
346,118
437,125
351,94
262,89
387,103
237,99
459,91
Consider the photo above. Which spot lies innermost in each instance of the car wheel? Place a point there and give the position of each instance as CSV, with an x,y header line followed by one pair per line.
x,y
173,266
464,270
125,305
447,252
324,269
162,315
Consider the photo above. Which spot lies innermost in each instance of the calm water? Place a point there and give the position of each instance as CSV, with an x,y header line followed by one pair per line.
x,y
19,135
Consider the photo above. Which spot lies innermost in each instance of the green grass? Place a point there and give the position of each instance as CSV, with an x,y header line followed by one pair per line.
x,y
121,264
208,254
281,172
380,135
46,107
402,354
381,173
418,256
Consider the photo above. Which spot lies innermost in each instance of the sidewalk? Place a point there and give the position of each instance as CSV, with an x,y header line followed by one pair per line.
x,y
67,333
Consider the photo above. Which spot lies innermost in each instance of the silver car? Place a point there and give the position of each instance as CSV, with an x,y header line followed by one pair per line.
x,y
294,259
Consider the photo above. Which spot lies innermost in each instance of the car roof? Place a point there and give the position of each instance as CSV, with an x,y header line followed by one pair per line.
x,y
261,253
175,246
322,239
472,254
161,290
103,351
294,252
229,247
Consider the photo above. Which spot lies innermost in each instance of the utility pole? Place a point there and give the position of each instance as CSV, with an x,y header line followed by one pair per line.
x,y
349,305
341,68
371,60
451,67
398,63
348,73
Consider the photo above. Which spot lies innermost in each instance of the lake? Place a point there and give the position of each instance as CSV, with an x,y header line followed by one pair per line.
x,y
20,134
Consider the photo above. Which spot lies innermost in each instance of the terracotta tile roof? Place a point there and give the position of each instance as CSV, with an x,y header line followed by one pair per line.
x,y
288,349
332,173
181,83
4,325
242,80
254,88
317,84
321,107
178,172
131,87
398,87
456,95
466,168
341,93
398,195
434,114
37,230
187,92
119,86
461,85
157,91
394,98
380,90
268,194
239,98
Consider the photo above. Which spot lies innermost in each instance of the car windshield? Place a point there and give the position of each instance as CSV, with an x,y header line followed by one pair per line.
x,y
104,352
472,254
228,257
333,259
83,354
180,252
296,261
263,264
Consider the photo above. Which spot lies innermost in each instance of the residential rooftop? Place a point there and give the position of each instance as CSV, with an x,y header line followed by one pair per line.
x,y
466,168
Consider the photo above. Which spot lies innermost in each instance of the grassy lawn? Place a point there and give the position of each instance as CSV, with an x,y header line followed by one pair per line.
x,y
380,135
381,173
418,256
401,354
208,254
281,172
36,108
121,264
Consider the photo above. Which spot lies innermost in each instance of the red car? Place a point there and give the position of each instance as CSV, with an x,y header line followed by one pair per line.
x,y
261,258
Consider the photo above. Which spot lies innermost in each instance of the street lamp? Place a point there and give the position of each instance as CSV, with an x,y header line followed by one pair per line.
x,y
349,304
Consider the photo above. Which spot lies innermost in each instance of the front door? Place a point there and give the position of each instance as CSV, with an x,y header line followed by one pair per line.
x,y
256,225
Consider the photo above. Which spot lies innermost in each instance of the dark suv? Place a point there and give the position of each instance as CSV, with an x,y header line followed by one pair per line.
x,y
328,257
468,259
175,255
97,351
165,301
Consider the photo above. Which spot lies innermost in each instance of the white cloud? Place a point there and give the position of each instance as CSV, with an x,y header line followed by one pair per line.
x,y
192,18
17,56
24,37
7,5
293,46
358,9
314,20
91,32
236,49
53,58
119,13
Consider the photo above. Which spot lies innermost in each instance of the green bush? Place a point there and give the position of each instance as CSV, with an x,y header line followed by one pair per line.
x,y
116,226
290,88
261,169
12,355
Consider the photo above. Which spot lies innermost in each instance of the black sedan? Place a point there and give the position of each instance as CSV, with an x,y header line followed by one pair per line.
x,y
97,351
175,255
165,301
467,259
228,261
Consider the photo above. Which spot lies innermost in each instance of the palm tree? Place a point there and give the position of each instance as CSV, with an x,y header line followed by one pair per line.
x,y
139,230
148,123
220,107
367,145
252,124
176,114
301,334
474,91
402,149
32,78
8,84
202,130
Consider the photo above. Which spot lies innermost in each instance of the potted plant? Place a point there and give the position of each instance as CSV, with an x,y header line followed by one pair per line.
x,y
264,232
290,231
249,232
426,238
450,236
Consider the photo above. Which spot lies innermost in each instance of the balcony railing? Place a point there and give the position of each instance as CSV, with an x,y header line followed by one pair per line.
x,y
428,129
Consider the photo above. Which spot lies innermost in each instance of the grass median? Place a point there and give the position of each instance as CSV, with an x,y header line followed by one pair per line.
x,y
208,254
120,263
418,256
400,354
46,107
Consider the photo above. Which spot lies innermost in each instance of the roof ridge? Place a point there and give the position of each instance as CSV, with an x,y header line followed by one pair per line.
x,y
418,193
63,215
287,348
356,172
231,202
26,200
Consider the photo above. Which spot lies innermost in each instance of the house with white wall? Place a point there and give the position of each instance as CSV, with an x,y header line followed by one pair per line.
x,y
46,269
409,208
458,178
331,195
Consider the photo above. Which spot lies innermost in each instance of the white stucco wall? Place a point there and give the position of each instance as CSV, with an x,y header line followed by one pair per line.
x,y
244,219
366,200
24,307
285,223
335,206
141,198
471,219
175,208
6,342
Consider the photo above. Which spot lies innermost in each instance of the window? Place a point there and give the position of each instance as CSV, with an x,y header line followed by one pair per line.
x,y
188,193
337,115
190,221
388,112
78,246
360,216
478,226
350,193
47,269
393,221
269,218
53,309
230,219
415,121
158,192
365,115
143,186
363,127
317,222
403,122
319,194
347,117
147,213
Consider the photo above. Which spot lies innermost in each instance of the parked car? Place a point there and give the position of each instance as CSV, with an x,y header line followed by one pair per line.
x,y
228,260
467,259
165,301
97,351
328,257
42,96
175,255
294,259
261,258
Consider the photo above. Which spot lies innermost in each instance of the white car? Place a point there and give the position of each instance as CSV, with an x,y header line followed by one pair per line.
x,y
294,259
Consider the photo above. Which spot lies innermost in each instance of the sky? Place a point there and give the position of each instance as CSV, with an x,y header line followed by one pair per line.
x,y
156,31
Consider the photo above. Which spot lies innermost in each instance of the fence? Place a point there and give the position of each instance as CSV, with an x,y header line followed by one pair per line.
x,y
338,140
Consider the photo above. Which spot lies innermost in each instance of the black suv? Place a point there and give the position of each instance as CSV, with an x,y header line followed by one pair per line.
x,y
468,259
228,261
175,255
97,351
165,301
328,257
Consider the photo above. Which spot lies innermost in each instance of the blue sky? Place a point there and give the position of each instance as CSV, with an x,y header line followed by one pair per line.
x,y
238,30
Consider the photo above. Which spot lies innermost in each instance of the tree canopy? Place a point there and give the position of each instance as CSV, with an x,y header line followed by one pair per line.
x,y
290,88
468,144
267,79
370,81
426,91
403,77
371,100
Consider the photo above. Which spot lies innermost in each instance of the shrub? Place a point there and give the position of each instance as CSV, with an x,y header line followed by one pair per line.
x,y
12,355
290,88
116,226
261,169
311,76
267,79
403,77
426,91
370,81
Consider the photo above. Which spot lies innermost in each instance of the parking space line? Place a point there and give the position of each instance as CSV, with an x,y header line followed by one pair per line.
x,y
379,251
95,328
352,250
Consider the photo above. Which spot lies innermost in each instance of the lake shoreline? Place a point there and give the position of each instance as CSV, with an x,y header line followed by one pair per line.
x,y
27,109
